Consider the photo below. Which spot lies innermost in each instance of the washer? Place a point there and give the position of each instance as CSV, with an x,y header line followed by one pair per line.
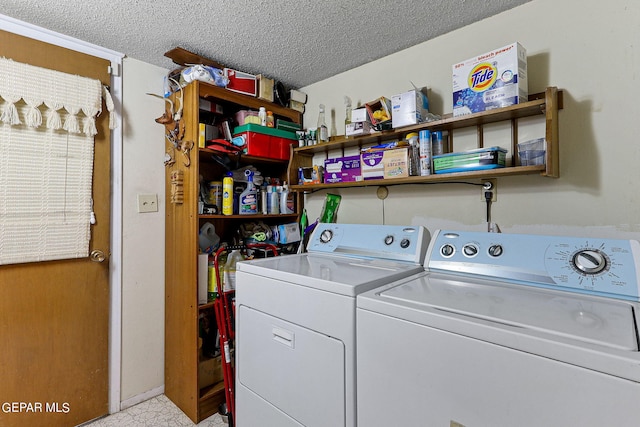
x,y
504,330
296,317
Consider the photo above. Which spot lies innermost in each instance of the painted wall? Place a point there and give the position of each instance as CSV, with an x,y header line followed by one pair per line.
x,y
142,234
596,63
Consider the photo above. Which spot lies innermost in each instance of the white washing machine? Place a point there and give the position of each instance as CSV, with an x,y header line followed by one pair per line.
x,y
504,330
295,322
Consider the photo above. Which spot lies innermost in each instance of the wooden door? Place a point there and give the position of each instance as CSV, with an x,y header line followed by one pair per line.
x,y
54,316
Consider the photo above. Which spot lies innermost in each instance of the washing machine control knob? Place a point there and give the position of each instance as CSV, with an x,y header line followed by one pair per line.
x,y
447,250
388,240
326,236
404,243
590,261
495,250
470,250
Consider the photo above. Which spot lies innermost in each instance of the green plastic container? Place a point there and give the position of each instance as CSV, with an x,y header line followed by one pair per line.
x,y
472,160
252,127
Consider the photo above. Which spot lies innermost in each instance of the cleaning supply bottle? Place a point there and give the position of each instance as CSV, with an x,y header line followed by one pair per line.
x,y
264,198
262,115
229,282
227,194
248,204
347,116
274,203
322,130
284,200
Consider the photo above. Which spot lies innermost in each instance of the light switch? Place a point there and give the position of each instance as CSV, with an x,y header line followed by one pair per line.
x,y
147,203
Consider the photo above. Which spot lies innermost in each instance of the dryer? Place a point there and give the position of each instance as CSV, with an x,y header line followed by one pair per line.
x,y
296,322
504,330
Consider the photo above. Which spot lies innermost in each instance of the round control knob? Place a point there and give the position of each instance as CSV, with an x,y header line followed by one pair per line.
x,y
447,250
404,243
495,250
590,261
326,236
470,250
388,240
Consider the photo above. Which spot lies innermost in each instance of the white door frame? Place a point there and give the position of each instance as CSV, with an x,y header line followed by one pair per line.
x,y
115,260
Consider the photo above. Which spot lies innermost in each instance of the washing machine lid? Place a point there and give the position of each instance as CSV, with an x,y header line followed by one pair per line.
x,y
345,275
596,320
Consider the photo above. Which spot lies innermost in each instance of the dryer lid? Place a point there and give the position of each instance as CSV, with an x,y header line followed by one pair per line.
x,y
339,274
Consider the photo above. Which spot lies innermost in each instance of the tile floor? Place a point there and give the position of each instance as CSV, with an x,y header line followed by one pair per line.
x,y
155,412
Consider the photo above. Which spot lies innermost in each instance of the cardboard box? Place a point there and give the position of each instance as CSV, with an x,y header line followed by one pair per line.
x,y
396,163
209,106
265,88
342,169
242,82
209,372
492,80
359,115
371,165
408,108
206,133
296,105
358,128
379,112
310,175
297,96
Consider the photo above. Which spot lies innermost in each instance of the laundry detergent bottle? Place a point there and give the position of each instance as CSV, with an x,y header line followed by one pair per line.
x,y
249,197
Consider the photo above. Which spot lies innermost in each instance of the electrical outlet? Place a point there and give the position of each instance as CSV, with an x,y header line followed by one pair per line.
x,y
147,203
493,184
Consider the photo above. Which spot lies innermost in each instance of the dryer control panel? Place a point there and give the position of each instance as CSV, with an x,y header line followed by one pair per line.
x,y
392,242
606,267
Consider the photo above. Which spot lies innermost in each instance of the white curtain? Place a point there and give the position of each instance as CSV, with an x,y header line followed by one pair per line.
x,y
47,125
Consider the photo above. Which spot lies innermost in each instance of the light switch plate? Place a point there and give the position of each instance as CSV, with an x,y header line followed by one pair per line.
x,y
147,203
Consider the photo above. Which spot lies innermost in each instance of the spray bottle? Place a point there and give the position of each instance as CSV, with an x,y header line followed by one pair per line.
x,y
249,197
284,196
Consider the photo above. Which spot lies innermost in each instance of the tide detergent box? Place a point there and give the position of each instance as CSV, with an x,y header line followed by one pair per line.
x,y
492,80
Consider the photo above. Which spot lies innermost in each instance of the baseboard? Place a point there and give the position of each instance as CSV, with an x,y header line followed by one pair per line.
x,y
139,398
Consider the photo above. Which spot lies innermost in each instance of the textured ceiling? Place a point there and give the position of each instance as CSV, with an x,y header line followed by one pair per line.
x,y
298,42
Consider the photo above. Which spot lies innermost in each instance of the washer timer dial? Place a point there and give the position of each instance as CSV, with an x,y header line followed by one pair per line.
x,y
589,261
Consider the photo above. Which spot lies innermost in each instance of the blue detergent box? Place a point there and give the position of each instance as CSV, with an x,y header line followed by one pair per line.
x,y
494,79
472,160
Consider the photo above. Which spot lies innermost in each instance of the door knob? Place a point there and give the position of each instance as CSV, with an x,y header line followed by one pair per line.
x,y
97,256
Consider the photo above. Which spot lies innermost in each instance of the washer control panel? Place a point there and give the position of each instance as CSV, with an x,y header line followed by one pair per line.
x,y
606,267
393,242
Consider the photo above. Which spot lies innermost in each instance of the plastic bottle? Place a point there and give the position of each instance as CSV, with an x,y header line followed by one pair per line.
x,y
264,198
229,282
437,147
262,115
212,282
322,130
274,204
227,194
424,140
248,204
347,114
284,202
270,120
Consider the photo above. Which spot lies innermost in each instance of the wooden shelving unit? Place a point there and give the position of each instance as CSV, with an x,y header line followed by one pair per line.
x,y
183,222
544,104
